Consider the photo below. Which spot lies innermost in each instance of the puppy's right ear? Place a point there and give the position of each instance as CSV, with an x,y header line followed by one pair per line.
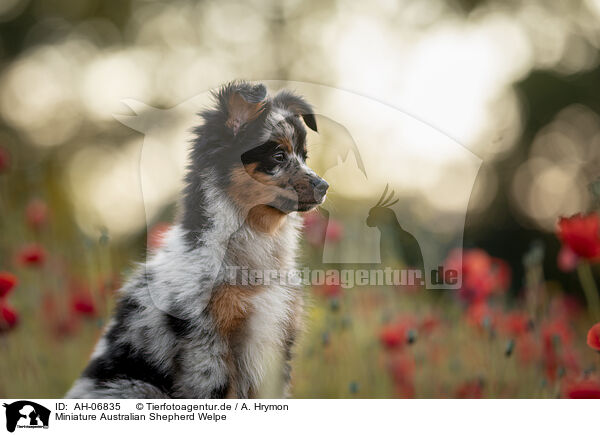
x,y
242,103
297,105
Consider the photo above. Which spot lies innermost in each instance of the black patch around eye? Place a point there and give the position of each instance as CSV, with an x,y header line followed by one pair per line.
x,y
263,155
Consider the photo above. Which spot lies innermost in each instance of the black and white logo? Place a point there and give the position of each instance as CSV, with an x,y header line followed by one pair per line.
x,y
25,414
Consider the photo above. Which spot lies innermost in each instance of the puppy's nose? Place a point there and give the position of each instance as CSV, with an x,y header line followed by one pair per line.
x,y
321,187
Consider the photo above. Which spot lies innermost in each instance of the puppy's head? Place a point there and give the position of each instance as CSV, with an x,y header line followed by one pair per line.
x,y
262,149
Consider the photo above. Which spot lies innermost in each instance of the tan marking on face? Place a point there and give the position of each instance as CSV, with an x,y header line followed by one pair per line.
x,y
241,112
250,188
255,174
286,144
284,135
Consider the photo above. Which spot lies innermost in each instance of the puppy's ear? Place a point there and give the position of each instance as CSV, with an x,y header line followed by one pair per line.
x,y
242,103
297,105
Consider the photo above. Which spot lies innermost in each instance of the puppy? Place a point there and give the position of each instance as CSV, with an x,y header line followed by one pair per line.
x,y
188,325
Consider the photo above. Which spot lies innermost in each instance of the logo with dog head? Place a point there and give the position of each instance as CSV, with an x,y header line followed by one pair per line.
x,y
25,414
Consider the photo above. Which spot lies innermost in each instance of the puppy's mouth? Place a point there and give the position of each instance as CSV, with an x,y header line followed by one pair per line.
x,y
308,206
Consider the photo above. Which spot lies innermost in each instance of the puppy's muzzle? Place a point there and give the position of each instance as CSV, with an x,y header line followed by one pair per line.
x,y
320,187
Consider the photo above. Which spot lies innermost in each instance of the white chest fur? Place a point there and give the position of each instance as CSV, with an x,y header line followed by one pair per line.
x,y
274,307
266,329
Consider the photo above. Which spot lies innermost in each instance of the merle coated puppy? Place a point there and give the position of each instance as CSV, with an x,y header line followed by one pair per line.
x,y
188,325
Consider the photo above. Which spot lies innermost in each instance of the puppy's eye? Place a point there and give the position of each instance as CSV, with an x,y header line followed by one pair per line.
x,y
279,157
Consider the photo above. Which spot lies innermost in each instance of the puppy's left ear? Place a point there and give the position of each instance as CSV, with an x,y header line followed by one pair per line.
x,y
243,102
297,105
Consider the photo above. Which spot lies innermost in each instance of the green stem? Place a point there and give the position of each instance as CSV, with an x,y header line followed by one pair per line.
x,y
584,271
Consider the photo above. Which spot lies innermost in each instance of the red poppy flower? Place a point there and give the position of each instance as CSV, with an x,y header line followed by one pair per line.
x,y
567,259
83,304
556,350
335,231
397,334
405,390
315,226
470,390
473,267
36,214
402,367
585,389
527,349
550,362
390,337
8,281
4,159
330,291
9,318
580,234
515,324
565,307
482,315
482,275
402,370
32,255
556,332
157,234
593,337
